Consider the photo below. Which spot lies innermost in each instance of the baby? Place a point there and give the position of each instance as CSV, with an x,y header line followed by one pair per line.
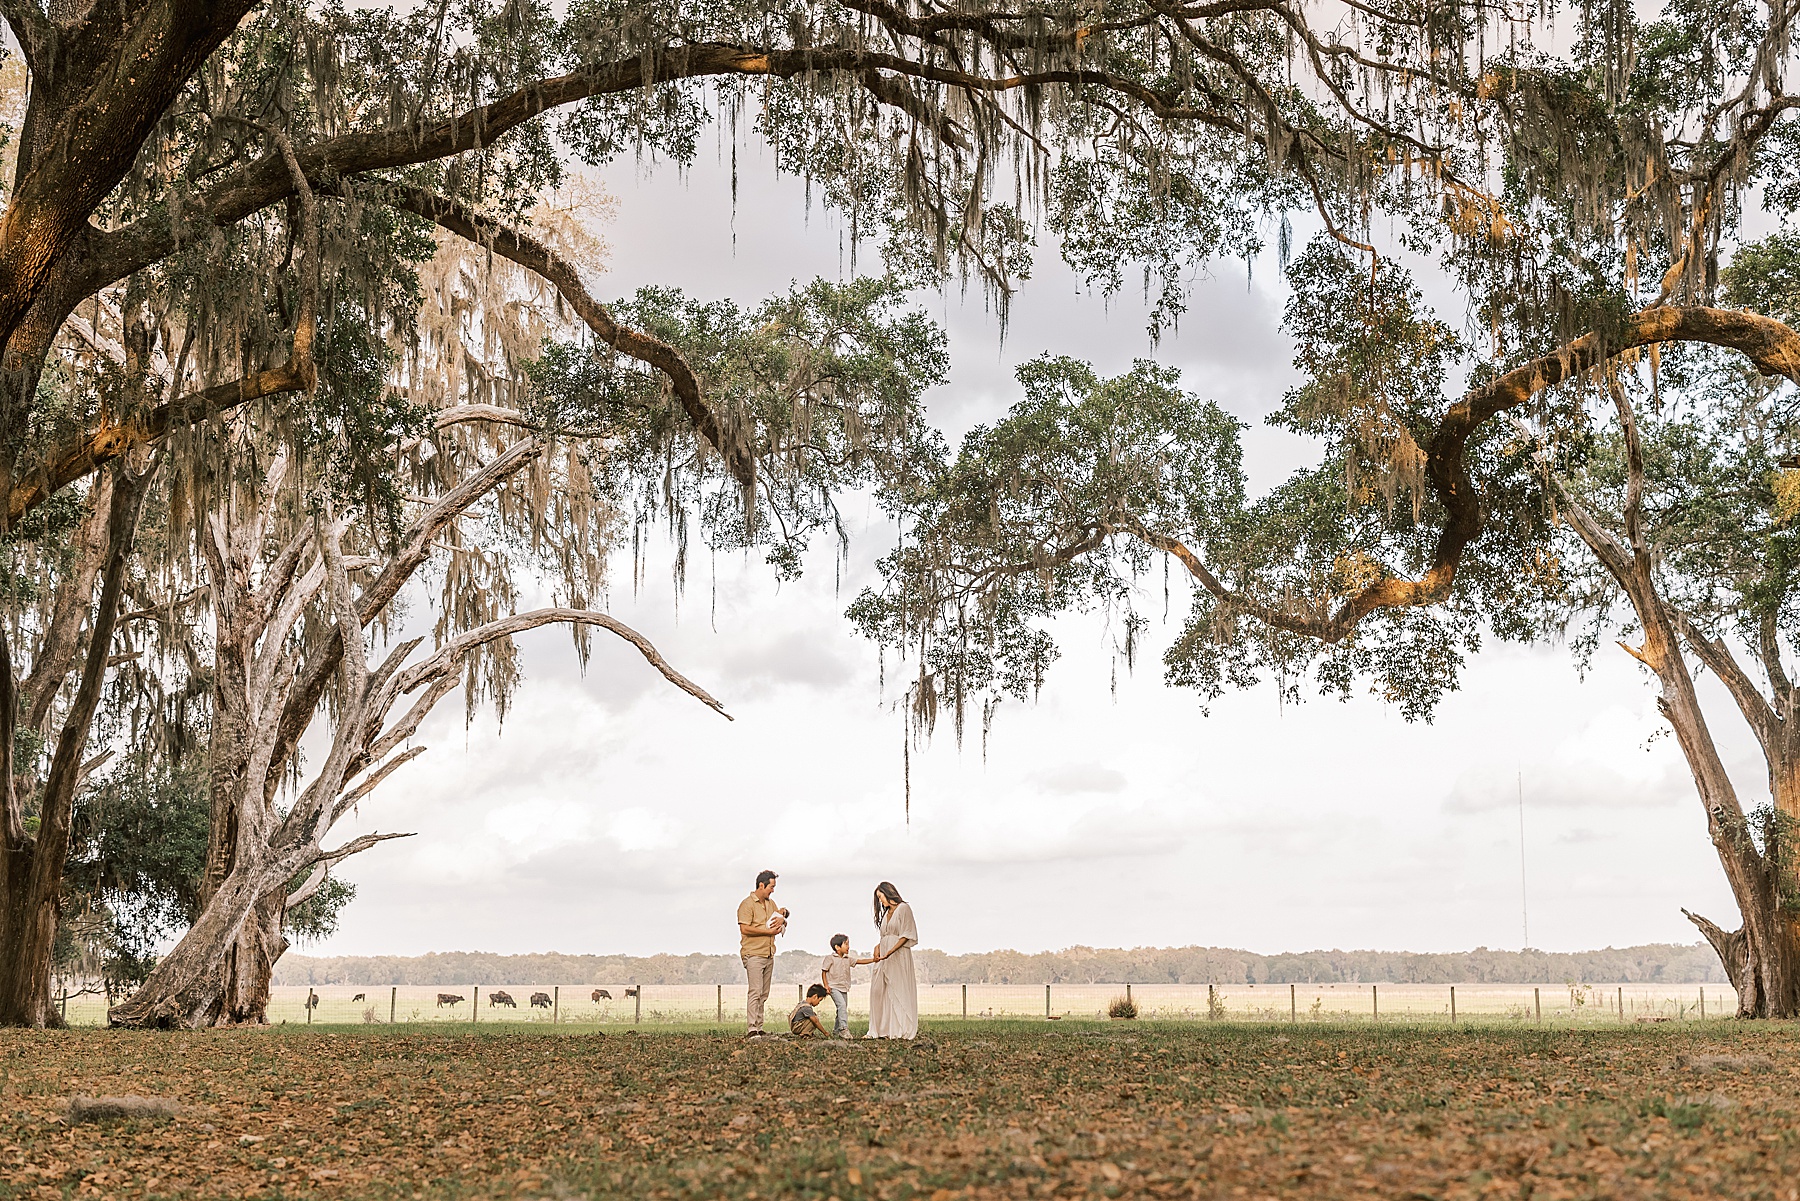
x,y
804,1021
834,974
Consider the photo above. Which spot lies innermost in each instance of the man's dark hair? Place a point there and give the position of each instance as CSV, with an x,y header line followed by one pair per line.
x,y
763,877
817,990
840,940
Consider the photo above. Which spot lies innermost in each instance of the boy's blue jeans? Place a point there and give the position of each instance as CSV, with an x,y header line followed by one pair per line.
x,y
841,999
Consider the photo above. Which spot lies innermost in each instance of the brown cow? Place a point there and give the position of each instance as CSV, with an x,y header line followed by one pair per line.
x,y
312,1000
600,994
501,998
631,992
540,1000
448,998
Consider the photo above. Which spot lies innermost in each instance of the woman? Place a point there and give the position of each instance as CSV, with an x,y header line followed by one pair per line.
x,y
894,993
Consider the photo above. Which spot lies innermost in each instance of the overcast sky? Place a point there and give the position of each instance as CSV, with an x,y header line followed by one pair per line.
x,y
612,814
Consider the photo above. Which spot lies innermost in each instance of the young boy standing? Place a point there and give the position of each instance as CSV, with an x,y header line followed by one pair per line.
x,y
834,975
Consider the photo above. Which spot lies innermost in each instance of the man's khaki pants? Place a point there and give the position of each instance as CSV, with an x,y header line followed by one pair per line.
x,y
761,974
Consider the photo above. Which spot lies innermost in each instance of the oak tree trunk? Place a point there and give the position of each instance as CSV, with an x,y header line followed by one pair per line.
x,y
249,964
1762,957
218,974
32,862
24,972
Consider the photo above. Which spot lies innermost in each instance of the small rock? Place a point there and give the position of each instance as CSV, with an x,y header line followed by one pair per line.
x,y
1714,1101
105,1109
1724,1063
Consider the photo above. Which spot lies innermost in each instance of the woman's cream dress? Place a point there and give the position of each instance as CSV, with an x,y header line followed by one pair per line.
x,y
894,993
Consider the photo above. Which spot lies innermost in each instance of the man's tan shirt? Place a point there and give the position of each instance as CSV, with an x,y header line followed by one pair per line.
x,y
755,911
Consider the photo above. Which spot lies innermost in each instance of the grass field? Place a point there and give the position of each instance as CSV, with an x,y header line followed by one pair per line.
x,y
976,1109
375,1004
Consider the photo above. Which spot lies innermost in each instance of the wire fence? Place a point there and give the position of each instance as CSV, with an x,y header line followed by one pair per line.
x,y
724,1004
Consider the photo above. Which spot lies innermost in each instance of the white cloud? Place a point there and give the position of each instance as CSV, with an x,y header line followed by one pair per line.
x,y
1609,762
1077,778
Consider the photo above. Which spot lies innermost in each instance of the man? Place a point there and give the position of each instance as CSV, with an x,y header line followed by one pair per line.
x,y
759,921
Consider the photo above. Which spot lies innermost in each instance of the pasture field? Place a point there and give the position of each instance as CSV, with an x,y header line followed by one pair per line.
x,y
661,1004
977,1109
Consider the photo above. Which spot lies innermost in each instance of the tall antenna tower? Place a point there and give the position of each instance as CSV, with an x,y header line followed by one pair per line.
x,y
1524,907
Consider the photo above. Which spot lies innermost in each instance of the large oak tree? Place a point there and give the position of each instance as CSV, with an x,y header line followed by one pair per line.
x,y
1587,202
240,189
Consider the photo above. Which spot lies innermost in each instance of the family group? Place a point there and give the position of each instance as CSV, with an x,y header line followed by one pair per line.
x,y
893,988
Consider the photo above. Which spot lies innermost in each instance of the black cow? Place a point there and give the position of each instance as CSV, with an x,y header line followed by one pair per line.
x,y
540,1000
448,998
501,998
358,997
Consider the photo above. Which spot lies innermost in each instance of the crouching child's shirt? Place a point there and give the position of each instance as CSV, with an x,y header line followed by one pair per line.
x,y
800,1021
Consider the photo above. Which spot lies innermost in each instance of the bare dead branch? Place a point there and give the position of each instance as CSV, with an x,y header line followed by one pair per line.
x,y
349,800
446,657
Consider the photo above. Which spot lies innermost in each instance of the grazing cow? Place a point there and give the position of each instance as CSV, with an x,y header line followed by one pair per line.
x,y
448,998
600,994
358,996
540,1000
501,998
631,992
312,1000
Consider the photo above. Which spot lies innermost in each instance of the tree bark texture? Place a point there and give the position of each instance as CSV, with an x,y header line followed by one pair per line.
x,y
218,974
268,689
32,862
1762,957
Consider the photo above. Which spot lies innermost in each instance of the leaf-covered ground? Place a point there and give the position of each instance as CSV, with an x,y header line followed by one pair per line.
x,y
975,1109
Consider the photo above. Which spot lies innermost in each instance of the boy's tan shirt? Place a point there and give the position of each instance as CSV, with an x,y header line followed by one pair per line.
x,y
836,970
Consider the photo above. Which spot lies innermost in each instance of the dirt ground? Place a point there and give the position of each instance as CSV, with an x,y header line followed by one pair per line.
x,y
975,1109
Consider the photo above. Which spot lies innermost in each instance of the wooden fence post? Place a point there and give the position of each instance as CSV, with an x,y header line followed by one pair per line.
x,y
719,1017
1453,1004
1293,1003
1375,1000
1212,1007
1621,1002
555,1003
309,1006
393,1002
475,1007
1046,1000
965,1002
1703,1002
1128,999
637,996
1537,1004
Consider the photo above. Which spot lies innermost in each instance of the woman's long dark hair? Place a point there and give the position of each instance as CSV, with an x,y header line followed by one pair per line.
x,y
884,889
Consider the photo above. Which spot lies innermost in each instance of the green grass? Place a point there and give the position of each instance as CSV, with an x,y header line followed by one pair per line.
x,y
977,1108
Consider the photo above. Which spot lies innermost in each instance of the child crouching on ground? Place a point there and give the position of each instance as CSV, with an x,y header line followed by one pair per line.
x,y
804,1021
834,974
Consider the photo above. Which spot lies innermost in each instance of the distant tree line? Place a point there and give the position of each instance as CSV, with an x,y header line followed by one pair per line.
x,y
1655,962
